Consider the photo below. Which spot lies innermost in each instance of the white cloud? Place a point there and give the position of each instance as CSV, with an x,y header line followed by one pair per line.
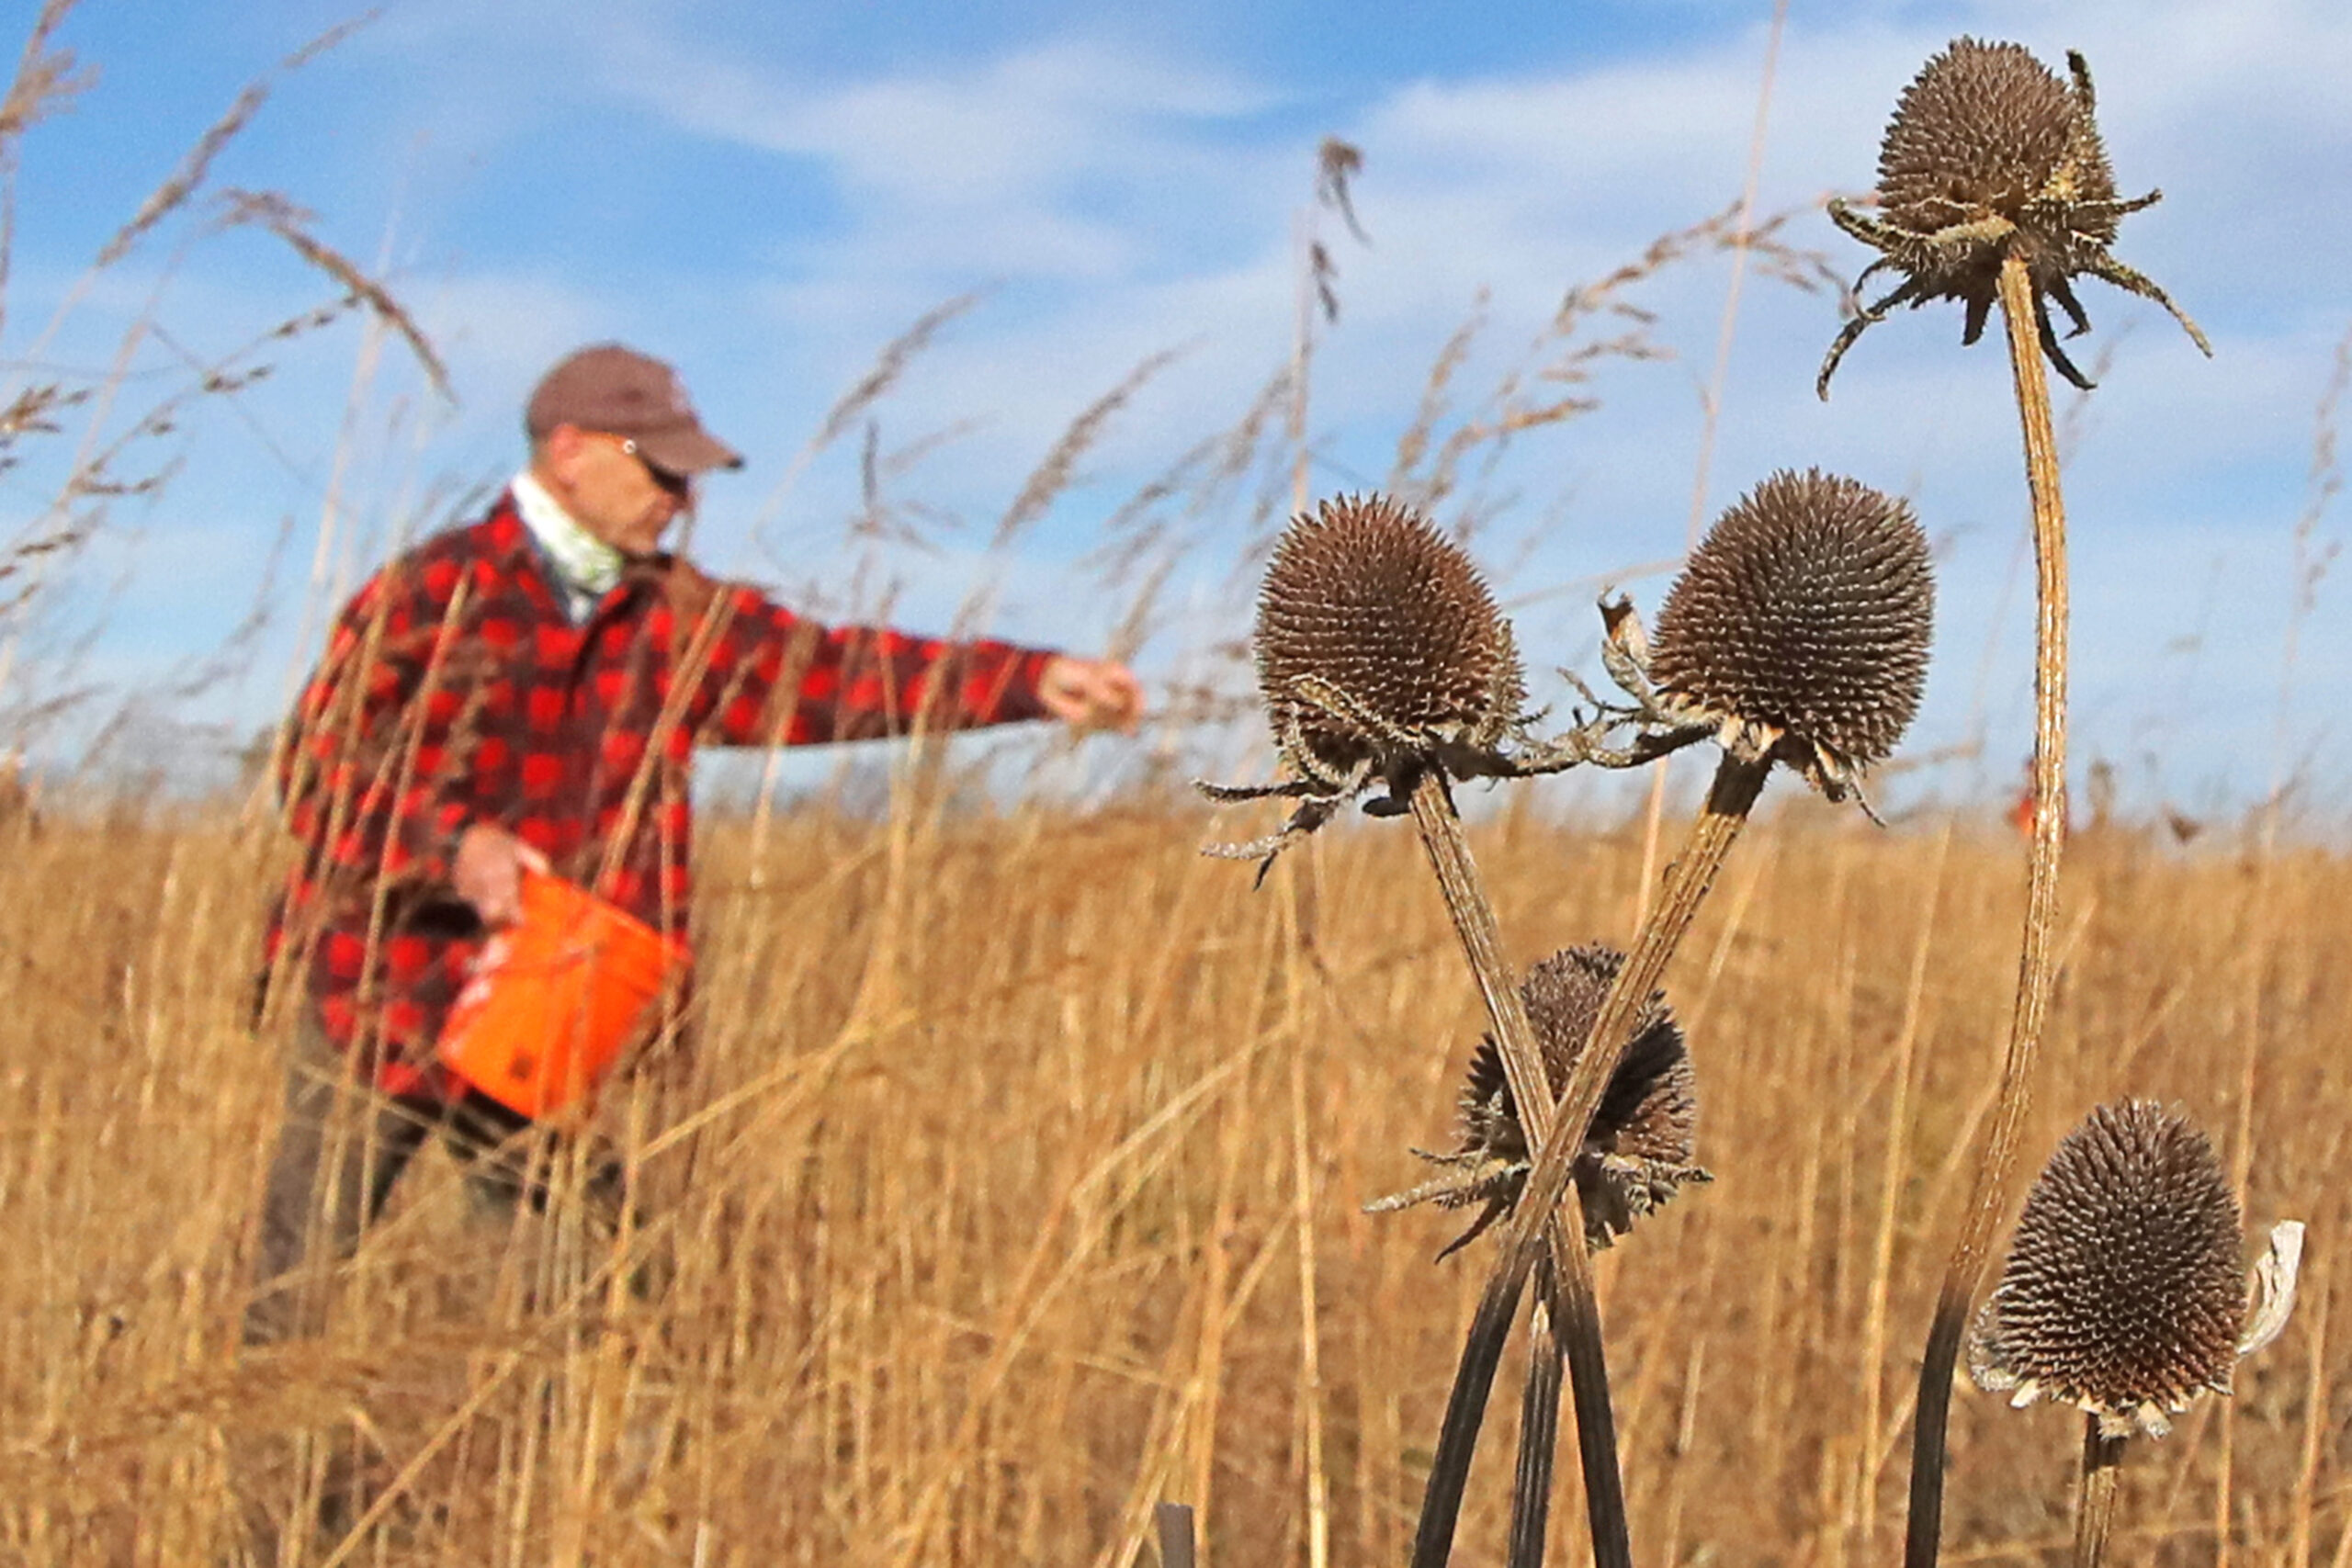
x,y
1000,129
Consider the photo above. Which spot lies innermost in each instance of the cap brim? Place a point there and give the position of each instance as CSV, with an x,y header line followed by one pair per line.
x,y
690,450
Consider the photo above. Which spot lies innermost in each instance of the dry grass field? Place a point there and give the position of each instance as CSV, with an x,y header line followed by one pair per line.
x,y
1016,1185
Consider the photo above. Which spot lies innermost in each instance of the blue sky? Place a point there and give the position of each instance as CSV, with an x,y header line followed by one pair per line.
x,y
768,194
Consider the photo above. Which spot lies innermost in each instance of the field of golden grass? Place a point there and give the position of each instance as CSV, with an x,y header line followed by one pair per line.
x,y
1016,1184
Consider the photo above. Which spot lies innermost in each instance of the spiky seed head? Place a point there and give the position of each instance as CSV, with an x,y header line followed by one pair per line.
x,y
1989,154
1365,600
1986,129
1801,625
1638,1148
2122,1294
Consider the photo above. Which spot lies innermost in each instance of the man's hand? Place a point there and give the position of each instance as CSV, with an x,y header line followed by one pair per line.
x,y
1091,693
488,872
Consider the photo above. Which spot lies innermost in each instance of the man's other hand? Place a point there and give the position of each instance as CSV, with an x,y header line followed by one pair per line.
x,y
1092,694
488,873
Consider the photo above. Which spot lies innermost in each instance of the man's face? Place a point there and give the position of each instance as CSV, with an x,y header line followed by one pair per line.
x,y
610,489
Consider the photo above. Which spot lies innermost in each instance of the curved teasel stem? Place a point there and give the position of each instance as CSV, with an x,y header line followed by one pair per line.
x,y
1576,1317
2095,1510
1989,1197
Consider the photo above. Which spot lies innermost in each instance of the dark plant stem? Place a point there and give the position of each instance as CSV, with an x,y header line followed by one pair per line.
x,y
2102,1456
1174,1522
1577,1320
1474,923
1988,1198
1539,1431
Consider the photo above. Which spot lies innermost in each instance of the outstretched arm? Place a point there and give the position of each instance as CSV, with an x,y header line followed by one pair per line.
x,y
773,678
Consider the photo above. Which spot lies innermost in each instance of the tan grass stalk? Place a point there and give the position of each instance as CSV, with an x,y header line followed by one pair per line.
x,y
289,223
2037,970
2312,559
1052,476
44,79
1892,1174
1711,408
184,181
888,367
1310,1331
2315,1421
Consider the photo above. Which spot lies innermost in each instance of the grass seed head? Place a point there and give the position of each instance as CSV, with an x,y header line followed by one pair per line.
x,y
1637,1151
1368,604
1801,625
2123,1292
1989,153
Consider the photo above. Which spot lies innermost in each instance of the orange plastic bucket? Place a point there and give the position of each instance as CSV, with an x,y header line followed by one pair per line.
x,y
555,999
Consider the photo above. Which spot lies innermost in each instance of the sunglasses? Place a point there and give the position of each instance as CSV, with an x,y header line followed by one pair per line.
x,y
681,486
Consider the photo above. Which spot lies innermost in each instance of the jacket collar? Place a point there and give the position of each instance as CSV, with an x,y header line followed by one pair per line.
x,y
506,537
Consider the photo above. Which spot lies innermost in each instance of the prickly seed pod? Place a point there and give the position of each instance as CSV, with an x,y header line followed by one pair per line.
x,y
1985,127
1989,152
2123,1292
1637,1150
1800,626
1378,643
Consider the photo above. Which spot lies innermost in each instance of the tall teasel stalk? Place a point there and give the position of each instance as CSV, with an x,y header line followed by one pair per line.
x,y
2122,1294
1797,635
1635,1155
1994,188
1384,662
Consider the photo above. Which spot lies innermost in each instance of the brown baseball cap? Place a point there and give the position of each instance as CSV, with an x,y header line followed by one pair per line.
x,y
616,389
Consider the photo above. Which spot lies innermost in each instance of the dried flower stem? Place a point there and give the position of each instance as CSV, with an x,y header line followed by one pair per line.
x,y
1474,922
1530,1084
1988,1200
1539,1431
1576,1319
1174,1523
2101,1457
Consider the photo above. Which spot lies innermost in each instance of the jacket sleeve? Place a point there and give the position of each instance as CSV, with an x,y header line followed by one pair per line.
x,y
775,678
366,777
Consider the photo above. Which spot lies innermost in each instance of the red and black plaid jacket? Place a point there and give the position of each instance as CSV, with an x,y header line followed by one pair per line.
x,y
455,690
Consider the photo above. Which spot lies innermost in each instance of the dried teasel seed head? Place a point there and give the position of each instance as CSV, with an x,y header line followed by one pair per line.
x,y
1989,154
2123,1292
1379,643
1989,129
1637,1150
1800,626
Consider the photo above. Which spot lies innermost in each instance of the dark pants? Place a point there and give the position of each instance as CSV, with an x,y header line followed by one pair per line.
x,y
343,1147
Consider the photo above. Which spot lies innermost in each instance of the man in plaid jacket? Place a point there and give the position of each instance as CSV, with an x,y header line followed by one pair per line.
x,y
528,692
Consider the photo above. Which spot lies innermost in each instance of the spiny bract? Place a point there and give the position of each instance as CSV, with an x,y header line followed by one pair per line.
x,y
2123,1292
1989,152
1637,1150
1801,625
1377,640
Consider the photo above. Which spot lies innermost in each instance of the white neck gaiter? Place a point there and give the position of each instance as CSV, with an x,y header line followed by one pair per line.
x,y
586,566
